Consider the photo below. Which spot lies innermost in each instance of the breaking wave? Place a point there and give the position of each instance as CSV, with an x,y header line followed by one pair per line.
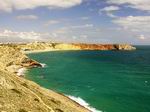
x,y
83,103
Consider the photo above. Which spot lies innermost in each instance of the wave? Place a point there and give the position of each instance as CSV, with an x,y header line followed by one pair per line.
x,y
21,71
43,65
83,103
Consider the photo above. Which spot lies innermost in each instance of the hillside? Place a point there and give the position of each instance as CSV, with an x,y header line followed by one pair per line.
x,y
20,95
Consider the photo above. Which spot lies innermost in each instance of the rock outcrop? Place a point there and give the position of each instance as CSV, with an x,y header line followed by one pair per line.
x,y
124,47
12,59
20,95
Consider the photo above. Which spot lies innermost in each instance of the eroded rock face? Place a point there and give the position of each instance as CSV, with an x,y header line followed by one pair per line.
x,y
81,46
20,95
95,47
124,47
12,59
30,63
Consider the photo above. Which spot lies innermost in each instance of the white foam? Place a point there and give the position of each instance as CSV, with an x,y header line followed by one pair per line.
x,y
43,65
21,72
83,103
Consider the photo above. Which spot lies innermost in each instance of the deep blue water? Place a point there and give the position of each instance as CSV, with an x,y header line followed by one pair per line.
x,y
111,81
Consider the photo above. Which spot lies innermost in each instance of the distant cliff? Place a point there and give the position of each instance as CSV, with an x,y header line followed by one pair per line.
x,y
124,47
83,46
72,46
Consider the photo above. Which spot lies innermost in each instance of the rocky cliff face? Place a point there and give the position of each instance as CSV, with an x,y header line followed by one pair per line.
x,y
124,47
81,46
20,95
12,59
94,46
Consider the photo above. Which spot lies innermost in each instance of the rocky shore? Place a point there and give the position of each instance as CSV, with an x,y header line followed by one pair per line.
x,y
20,95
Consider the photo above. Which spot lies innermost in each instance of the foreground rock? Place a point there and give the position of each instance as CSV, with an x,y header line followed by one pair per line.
x,y
20,95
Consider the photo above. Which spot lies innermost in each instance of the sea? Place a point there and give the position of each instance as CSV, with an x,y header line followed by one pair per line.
x,y
102,81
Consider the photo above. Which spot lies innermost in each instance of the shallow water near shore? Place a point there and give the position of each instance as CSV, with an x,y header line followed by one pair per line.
x,y
110,81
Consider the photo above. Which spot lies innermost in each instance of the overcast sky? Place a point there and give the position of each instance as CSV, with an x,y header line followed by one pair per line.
x,y
88,21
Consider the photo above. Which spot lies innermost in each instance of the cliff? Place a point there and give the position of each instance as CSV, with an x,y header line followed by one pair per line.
x,y
124,47
11,59
61,46
83,46
20,95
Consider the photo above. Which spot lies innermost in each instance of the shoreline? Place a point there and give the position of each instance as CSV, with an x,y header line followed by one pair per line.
x,y
21,72
83,103
77,100
51,50
15,62
39,51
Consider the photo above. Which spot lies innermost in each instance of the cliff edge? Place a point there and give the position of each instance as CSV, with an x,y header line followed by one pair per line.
x,y
20,95
72,46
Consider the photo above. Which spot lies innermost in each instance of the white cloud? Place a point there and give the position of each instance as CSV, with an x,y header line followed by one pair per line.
x,y
142,37
83,26
109,10
85,18
84,36
51,22
21,35
27,17
74,37
137,4
134,23
10,5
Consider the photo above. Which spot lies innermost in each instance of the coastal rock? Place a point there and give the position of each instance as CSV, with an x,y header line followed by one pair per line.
x,y
12,59
95,46
20,95
30,63
72,46
67,47
124,47
83,46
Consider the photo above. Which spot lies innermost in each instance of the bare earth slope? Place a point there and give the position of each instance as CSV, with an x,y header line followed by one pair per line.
x,y
20,95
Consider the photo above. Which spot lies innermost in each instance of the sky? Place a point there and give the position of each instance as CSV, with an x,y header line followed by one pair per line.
x,y
75,21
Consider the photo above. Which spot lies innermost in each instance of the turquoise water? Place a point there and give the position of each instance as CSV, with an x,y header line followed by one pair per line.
x,y
111,81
